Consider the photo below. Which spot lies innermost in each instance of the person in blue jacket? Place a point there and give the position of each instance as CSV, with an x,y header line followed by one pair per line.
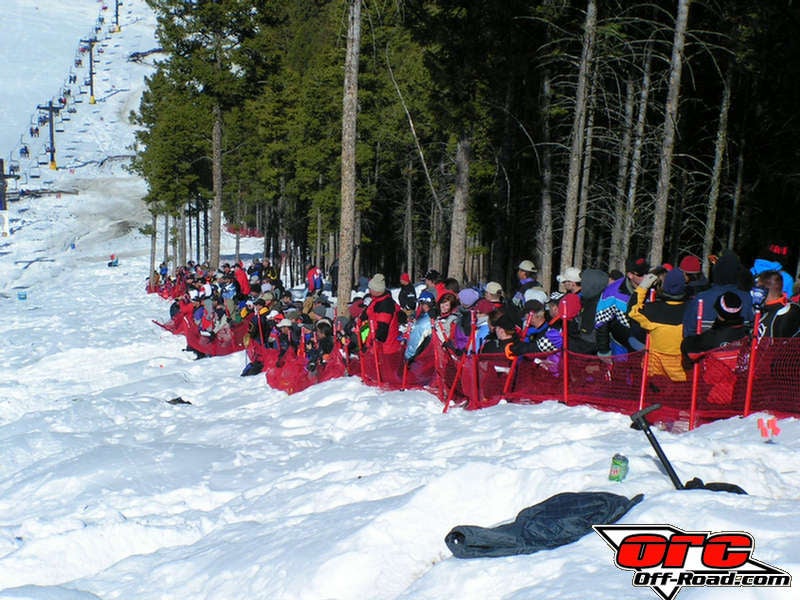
x,y
422,328
773,256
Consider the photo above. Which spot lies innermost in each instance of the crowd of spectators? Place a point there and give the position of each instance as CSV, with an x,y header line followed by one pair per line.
x,y
589,311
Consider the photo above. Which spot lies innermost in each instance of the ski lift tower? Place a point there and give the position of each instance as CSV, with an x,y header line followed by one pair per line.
x,y
117,28
91,42
51,112
5,227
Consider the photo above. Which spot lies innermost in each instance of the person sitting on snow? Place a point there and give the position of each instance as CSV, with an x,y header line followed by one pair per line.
x,y
319,350
421,328
288,338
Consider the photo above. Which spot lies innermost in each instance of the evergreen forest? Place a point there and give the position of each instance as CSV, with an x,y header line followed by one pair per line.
x,y
566,132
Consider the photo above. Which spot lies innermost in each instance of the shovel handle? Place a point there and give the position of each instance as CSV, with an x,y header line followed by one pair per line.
x,y
641,414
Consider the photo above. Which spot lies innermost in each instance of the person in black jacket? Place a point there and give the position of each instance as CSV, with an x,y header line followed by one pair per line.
x,y
407,297
728,327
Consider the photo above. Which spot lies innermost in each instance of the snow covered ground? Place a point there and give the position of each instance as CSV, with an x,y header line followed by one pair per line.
x,y
342,491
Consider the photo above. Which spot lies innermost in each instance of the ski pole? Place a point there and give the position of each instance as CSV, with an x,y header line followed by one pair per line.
x,y
640,422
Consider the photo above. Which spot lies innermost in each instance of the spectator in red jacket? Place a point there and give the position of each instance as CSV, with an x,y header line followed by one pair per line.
x,y
242,279
383,315
314,281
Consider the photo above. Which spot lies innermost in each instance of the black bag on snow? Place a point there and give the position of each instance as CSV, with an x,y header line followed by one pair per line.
x,y
561,519
253,368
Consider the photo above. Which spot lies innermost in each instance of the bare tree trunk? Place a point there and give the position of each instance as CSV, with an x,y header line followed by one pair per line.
x,y
182,237
153,242
238,223
432,239
264,229
357,248
668,141
166,239
616,259
318,246
737,197
347,219
576,150
408,223
583,205
190,236
545,237
216,176
331,253
174,240
280,222
458,223
636,159
716,172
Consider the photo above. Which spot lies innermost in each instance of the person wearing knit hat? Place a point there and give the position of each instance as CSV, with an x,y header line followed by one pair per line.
x,y
690,264
377,285
692,268
383,316
407,296
484,307
468,297
728,327
674,285
726,274
663,320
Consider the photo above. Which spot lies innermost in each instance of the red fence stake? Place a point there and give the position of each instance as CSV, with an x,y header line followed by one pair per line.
x,y
513,368
645,363
462,359
375,346
751,368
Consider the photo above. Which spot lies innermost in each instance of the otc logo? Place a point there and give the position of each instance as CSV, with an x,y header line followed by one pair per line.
x,y
666,558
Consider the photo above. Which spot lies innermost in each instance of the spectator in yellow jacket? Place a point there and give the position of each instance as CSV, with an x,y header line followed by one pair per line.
x,y
663,320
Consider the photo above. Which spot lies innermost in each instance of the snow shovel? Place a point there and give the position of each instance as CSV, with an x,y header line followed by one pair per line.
x,y
639,421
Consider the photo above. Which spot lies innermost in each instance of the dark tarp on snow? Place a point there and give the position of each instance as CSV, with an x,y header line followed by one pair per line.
x,y
561,519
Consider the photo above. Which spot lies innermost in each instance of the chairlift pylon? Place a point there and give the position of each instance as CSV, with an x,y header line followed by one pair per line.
x,y
12,190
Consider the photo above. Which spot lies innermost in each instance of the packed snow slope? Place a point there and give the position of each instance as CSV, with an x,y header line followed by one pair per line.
x,y
108,490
